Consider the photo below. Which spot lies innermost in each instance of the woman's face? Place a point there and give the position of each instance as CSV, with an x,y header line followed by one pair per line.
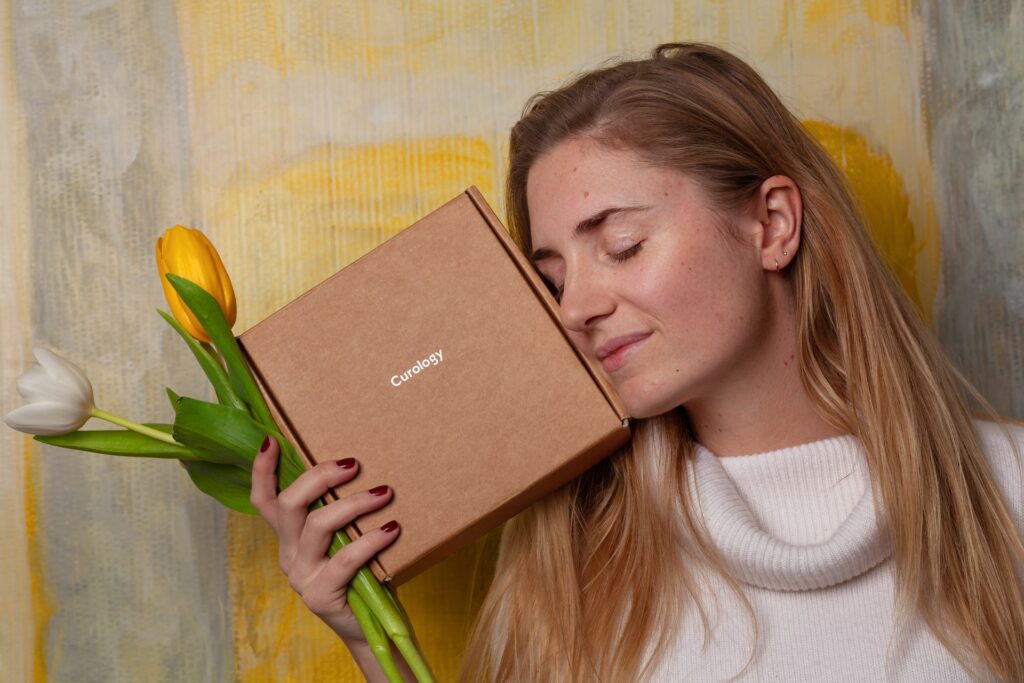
x,y
650,259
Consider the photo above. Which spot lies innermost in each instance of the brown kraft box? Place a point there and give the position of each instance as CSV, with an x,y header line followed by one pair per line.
x,y
438,361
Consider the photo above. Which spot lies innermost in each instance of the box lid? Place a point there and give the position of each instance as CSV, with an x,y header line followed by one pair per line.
x,y
438,361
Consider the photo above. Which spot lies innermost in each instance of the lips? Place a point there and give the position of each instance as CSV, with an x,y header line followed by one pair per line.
x,y
610,346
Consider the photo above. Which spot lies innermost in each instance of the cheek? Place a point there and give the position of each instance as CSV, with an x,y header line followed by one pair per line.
x,y
707,298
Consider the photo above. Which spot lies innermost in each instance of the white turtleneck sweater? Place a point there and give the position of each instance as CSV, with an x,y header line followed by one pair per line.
x,y
798,527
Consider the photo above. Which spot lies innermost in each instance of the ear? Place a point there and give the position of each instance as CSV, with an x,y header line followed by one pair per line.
x,y
778,210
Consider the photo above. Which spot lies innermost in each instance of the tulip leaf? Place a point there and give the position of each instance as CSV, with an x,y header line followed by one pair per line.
x,y
218,433
208,311
212,351
173,397
210,365
120,442
229,485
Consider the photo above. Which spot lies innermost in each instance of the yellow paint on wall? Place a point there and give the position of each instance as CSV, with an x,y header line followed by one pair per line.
x,y
895,13
307,217
42,606
367,38
883,201
214,29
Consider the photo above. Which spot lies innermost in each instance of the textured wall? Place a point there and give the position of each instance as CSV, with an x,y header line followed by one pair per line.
x,y
298,136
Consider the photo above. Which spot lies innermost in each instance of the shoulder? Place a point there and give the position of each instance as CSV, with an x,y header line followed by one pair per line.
x,y
1003,444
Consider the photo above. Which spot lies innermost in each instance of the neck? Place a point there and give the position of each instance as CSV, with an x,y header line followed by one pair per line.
x,y
761,405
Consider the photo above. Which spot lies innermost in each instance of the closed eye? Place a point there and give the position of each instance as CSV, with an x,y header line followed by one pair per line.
x,y
627,254
617,257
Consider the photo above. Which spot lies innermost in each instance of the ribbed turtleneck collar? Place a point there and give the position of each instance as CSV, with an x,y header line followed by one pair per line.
x,y
797,518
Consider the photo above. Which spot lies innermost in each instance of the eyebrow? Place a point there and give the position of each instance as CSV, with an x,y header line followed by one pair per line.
x,y
587,225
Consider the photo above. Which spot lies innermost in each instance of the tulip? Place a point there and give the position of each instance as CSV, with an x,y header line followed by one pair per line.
x,y
188,253
59,395
60,400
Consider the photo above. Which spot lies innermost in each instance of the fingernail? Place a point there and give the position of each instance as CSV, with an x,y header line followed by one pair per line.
x,y
266,444
379,490
389,527
346,463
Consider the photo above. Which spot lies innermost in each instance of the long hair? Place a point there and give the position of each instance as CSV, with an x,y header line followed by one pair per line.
x,y
577,593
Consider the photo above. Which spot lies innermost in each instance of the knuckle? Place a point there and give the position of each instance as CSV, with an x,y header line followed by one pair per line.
x,y
347,562
289,499
258,500
319,520
327,473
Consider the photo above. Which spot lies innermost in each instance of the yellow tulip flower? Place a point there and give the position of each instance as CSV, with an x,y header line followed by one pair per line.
x,y
188,253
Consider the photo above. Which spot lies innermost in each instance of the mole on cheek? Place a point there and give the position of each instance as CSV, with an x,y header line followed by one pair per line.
x,y
586,194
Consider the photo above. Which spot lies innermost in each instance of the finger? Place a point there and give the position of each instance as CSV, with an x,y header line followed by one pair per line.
x,y
293,503
323,522
263,493
337,572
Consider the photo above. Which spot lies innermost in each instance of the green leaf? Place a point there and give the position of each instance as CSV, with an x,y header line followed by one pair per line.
x,y
227,484
209,314
207,311
212,351
210,365
120,442
173,397
218,433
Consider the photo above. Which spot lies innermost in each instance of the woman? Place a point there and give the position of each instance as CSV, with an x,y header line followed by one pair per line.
x,y
869,528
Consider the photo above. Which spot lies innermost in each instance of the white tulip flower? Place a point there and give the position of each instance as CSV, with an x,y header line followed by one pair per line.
x,y
59,395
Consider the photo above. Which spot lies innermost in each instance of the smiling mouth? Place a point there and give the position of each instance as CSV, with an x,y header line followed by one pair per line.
x,y
620,356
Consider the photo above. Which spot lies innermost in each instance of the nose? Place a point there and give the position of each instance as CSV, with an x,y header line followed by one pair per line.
x,y
584,301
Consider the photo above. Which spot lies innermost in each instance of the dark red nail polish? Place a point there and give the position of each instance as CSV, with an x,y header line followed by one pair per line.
x,y
346,463
266,445
389,527
379,490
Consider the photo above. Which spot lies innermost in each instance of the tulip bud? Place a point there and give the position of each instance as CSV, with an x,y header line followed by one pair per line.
x,y
59,395
188,253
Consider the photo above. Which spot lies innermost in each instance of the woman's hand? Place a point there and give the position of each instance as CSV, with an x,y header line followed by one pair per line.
x,y
304,537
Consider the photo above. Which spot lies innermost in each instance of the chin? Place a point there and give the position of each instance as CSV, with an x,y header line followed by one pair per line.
x,y
642,403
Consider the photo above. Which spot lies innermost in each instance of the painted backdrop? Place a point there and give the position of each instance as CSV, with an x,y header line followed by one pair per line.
x,y
300,135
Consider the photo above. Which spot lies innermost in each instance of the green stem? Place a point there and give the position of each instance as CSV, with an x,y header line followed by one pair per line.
x,y
378,641
134,426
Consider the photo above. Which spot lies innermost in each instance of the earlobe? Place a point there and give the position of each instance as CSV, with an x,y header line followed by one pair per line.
x,y
784,254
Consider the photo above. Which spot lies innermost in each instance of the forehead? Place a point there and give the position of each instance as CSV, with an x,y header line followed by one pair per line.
x,y
576,164
579,178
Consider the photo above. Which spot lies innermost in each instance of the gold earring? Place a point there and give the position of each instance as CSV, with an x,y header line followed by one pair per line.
x,y
776,264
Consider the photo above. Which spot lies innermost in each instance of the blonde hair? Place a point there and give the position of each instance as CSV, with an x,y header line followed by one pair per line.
x,y
577,593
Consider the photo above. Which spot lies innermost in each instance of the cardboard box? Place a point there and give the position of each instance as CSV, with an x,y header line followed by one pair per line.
x,y
439,362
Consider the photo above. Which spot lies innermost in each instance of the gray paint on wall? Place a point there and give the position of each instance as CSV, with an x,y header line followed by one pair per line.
x,y
974,95
132,553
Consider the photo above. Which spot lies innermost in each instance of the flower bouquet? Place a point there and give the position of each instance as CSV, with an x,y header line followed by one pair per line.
x,y
215,442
